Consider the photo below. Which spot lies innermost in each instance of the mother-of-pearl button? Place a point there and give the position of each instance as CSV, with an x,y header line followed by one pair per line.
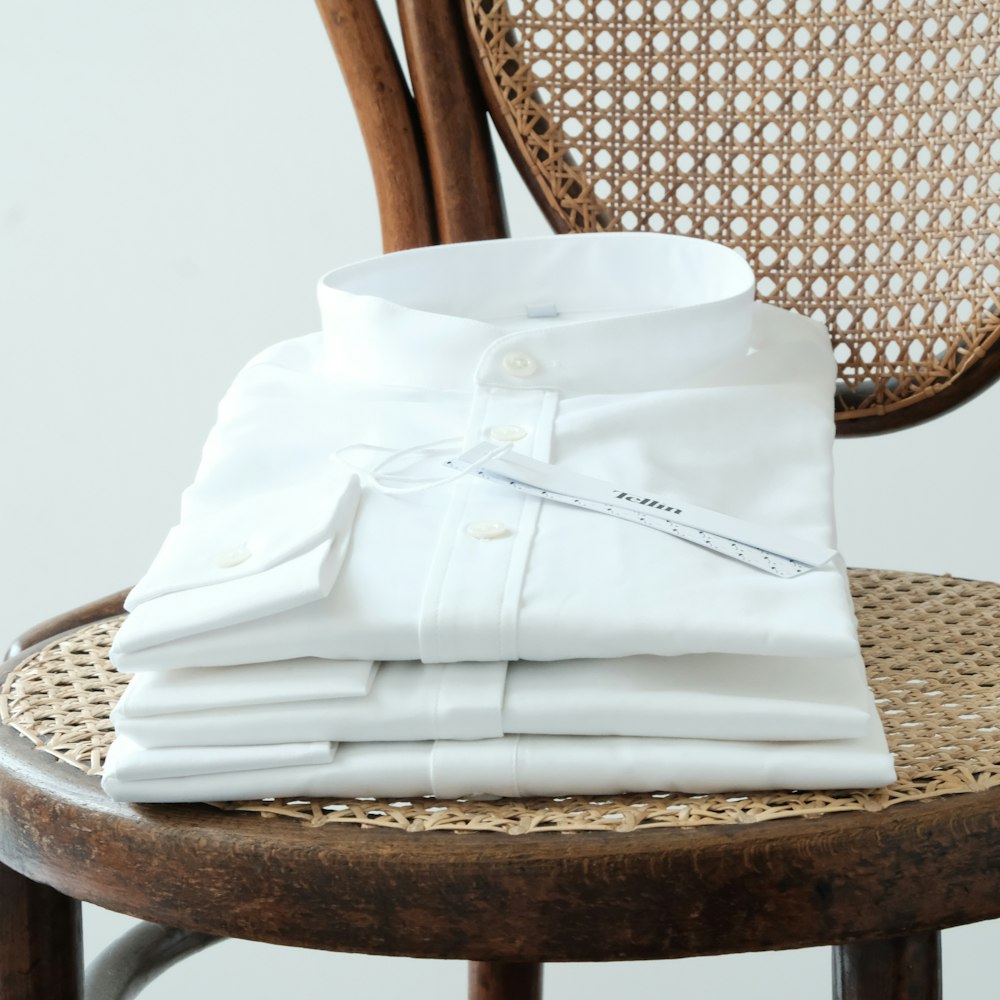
x,y
519,365
487,530
232,557
508,432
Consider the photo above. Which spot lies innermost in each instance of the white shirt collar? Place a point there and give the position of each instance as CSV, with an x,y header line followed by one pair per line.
x,y
636,311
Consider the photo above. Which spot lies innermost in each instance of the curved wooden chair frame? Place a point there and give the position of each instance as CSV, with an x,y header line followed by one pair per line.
x,y
878,887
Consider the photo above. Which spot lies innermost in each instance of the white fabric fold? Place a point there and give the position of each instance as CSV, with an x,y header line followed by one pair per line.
x,y
708,696
541,765
128,762
160,692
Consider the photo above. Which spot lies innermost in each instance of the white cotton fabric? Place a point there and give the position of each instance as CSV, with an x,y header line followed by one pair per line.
x,y
160,692
658,371
128,762
198,552
708,696
535,765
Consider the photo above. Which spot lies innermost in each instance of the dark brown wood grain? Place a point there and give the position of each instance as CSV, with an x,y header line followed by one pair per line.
x,y
388,120
487,897
463,170
41,950
104,607
904,968
505,981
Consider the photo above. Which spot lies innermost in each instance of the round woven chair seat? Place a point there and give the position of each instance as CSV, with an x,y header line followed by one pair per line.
x,y
661,874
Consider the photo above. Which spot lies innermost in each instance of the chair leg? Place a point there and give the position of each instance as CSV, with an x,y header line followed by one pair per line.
x,y
41,944
131,962
903,968
505,981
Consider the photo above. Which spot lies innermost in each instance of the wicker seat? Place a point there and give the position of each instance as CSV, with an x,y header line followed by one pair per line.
x,y
848,148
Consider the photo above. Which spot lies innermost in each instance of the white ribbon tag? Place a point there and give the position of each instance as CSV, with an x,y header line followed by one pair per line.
x,y
770,549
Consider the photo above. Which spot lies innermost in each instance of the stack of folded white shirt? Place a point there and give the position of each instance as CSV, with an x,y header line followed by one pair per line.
x,y
304,631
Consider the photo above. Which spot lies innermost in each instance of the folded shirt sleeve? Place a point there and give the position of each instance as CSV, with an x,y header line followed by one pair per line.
x,y
265,525
251,535
160,692
127,762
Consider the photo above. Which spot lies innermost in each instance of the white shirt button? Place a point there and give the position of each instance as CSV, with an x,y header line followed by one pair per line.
x,y
519,365
232,557
508,432
487,530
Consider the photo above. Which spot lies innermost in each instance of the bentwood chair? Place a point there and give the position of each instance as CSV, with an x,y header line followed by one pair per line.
x,y
849,147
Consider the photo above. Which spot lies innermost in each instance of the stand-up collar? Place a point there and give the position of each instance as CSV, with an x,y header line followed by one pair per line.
x,y
605,312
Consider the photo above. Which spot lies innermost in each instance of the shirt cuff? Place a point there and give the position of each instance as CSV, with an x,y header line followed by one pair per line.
x,y
273,552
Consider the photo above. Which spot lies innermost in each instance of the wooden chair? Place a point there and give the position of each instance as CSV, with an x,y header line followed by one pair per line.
x,y
848,149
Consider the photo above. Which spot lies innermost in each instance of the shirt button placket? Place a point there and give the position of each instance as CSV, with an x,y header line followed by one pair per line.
x,y
521,366
488,528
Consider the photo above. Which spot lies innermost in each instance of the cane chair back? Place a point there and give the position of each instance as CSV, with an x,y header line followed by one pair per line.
x,y
849,148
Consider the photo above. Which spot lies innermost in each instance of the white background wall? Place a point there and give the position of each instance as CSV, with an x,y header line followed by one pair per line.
x,y
173,180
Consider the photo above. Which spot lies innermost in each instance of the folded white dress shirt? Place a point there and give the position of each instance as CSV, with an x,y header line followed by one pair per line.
x,y
705,696
528,765
485,635
638,359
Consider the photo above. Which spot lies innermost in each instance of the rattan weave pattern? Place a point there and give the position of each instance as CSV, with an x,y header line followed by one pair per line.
x,y
932,645
849,147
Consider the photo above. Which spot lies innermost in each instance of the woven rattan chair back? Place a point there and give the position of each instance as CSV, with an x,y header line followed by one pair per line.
x,y
849,147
